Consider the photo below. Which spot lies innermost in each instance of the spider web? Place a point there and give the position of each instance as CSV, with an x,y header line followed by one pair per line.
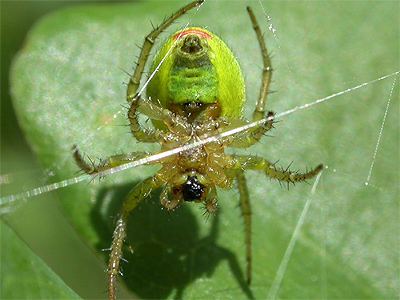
x,y
337,170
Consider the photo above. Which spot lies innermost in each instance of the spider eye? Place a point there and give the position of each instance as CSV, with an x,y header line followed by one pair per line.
x,y
192,189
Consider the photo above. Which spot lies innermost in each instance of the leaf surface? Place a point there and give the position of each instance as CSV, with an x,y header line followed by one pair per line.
x,y
26,276
67,87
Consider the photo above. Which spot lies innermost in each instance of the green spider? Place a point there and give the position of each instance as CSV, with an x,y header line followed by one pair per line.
x,y
197,92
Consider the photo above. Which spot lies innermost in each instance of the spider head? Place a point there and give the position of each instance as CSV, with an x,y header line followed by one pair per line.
x,y
197,189
192,189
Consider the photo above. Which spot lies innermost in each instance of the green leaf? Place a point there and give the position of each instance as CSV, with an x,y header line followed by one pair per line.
x,y
67,87
24,275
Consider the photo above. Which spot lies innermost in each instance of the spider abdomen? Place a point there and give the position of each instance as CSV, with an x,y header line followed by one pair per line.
x,y
193,71
198,84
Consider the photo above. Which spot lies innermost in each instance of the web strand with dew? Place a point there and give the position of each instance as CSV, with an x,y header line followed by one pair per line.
x,y
273,291
380,133
273,30
10,199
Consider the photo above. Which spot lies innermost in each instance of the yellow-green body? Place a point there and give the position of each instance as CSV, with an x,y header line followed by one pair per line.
x,y
217,80
197,92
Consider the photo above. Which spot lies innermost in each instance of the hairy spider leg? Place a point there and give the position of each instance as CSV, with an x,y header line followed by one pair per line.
x,y
211,203
266,72
135,196
250,162
90,167
166,201
261,164
250,137
253,135
142,134
245,208
173,122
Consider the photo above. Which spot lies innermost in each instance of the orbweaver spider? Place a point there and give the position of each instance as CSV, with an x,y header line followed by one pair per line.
x,y
197,92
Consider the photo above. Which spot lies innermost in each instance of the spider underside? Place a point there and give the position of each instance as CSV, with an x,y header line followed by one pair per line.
x,y
192,175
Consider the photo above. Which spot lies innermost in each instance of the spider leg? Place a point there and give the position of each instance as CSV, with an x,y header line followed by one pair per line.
x,y
253,135
245,208
267,69
250,137
148,45
141,134
174,122
134,81
166,201
136,195
90,167
280,174
211,203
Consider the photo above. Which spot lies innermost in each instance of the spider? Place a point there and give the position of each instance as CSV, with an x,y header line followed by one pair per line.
x,y
197,92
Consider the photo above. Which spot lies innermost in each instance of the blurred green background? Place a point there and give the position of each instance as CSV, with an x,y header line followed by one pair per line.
x,y
350,242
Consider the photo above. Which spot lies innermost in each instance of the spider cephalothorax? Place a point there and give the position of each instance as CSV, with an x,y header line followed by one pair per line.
x,y
196,91
193,175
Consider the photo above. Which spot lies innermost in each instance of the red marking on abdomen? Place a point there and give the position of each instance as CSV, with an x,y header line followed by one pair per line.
x,y
198,32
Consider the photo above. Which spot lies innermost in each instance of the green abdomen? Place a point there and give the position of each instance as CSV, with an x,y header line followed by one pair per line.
x,y
196,84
